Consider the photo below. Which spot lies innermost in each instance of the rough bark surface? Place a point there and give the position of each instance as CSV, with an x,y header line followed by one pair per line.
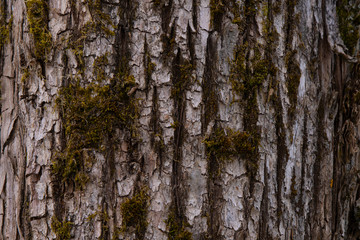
x,y
300,182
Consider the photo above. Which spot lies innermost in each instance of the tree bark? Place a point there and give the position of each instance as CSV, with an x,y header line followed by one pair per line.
x,y
274,80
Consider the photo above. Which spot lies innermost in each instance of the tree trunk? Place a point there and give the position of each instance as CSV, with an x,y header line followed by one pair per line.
x,y
179,119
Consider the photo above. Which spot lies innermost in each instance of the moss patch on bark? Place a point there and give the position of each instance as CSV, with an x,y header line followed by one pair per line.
x,y
134,212
91,114
61,229
349,21
37,15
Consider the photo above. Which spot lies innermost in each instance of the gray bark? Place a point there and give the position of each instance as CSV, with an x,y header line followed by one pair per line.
x,y
306,185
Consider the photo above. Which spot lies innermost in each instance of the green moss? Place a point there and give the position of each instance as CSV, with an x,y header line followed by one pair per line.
x,y
176,227
183,80
101,21
37,15
217,9
224,144
156,2
248,73
116,235
100,24
134,213
90,115
168,43
349,20
25,75
102,216
5,27
61,229
249,70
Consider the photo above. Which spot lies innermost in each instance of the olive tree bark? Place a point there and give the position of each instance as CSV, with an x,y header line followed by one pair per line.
x,y
179,119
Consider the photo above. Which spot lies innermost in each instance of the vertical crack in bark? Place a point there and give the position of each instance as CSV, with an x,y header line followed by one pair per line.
x,y
210,109
292,66
304,150
179,117
345,174
282,155
22,180
195,13
337,166
156,137
317,168
210,98
264,208
214,185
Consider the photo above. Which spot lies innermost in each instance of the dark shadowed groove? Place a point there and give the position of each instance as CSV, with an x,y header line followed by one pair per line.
x,y
345,174
282,154
195,13
271,38
210,99
147,66
179,87
166,12
264,208
191,45
304,149
156,139
317,166
215,192
292,66
209,112
337,151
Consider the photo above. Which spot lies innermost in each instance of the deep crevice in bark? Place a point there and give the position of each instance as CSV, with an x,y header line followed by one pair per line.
x,y
209,112
181,78
282,154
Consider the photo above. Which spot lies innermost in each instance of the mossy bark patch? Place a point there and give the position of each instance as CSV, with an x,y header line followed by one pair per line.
x,y
348,12
224,144
134,212
176,227
5,26
37,15
91,114
61,229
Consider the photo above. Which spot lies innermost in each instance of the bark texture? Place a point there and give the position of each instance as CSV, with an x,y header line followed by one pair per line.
x,y
245,123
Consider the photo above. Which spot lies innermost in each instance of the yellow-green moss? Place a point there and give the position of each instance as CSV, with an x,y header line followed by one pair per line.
x,y
90,115
156,2
184,79
249,70
61,229
134,213
25,75
4,26
37,16
217,9
349,21
176,227
168,43
103,216
101,21
248,73
100,24
224,144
